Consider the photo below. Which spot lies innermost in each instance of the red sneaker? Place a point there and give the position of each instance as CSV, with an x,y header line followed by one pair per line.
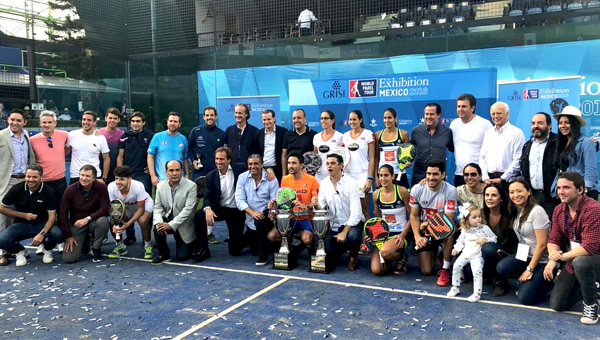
x,y
443,278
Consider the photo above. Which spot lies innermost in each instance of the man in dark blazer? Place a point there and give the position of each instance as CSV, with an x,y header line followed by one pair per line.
x,y
15,155
219,205
545,142
270,144
241,139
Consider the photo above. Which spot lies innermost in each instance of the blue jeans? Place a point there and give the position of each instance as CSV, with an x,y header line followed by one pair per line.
x,y
531,292
11,236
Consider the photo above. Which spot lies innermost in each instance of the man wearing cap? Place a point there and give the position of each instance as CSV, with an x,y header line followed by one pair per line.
x,y
15,155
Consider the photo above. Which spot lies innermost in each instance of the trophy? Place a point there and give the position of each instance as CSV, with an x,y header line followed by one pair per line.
x,y
320,225
283,259
117,214
199,164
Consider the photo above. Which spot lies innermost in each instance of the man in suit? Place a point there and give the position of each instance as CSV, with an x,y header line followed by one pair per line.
x,y
540,171
219,205
270,144
241,139
15,155
174,208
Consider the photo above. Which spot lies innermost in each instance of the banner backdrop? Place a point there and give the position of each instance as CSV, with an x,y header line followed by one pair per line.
x,y
525,98
257,104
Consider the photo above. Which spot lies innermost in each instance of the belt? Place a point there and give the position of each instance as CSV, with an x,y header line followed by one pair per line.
x,y
494,175
19,176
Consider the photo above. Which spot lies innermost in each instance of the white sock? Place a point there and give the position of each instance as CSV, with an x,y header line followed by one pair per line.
x,y
209,228
147,244
447,264
121,245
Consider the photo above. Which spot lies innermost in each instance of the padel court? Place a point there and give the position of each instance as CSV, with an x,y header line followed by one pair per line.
x,y
231,298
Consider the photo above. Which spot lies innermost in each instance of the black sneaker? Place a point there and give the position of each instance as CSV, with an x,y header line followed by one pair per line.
x,y
501,288
212,239
129,241
202,255
263,259
590,314
96,255
160,259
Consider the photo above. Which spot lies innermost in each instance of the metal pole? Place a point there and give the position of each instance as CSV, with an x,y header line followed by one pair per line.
x,y
154,61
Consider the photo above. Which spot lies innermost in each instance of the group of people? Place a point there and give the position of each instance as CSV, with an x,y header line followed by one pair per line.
x,y
519,204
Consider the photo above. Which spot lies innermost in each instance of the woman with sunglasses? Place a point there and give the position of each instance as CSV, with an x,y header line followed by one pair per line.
x,y
387,142
530,223
361,166
575,151
326,141
472,190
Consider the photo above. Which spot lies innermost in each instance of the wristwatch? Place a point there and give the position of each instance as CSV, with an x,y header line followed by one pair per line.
x,y
43,233
529,269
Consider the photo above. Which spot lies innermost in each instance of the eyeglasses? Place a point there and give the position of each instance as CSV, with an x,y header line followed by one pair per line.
x,y
49,140
325,118
470,174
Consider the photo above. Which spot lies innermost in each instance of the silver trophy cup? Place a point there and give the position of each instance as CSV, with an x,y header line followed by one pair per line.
x,y
320,225
283,227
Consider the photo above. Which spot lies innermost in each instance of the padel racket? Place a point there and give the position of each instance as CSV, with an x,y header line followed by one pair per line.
x,y
439,227
117,214
200,186
342,151
406,154
285,198
378,230
312,162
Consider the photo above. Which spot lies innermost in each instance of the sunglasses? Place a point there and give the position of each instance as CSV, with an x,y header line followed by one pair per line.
x,y
49,140
518,178
470,174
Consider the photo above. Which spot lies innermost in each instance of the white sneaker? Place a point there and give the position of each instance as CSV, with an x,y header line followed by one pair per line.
x,y
40,250
453,291
60,247
21,259
47,256
474,297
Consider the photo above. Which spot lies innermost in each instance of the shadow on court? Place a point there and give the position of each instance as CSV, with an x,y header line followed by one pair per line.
x,y
130,299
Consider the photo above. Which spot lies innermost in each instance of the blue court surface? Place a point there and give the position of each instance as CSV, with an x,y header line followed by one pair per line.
x,y
230,298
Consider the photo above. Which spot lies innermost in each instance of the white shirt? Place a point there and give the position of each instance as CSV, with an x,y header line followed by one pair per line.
x,y
227,189
137,193
358,148
324,147
269,154
85,149
343,204
501,151
467,140
305,18
536,165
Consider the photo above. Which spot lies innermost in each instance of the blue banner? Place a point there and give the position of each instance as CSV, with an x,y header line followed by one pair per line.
x,y
257,104
525,98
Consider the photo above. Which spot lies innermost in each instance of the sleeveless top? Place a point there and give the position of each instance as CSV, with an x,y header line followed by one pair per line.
x,y
394,213
388,151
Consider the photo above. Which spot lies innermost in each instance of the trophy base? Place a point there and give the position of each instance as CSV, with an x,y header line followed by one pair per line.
x,y
284,261
318,265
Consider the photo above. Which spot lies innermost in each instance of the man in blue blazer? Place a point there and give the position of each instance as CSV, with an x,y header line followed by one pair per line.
x,y
270,144
219,205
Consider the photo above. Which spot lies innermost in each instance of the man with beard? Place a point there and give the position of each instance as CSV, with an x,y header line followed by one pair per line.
x,y
167,146
86,148
538,161
203,142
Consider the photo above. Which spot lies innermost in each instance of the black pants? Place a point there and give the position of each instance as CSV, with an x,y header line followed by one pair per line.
x,y
59,186
570,288
257,239
335,249
235,225
458,180
183,250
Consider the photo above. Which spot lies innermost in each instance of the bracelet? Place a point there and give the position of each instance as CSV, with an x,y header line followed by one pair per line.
x,y
370,177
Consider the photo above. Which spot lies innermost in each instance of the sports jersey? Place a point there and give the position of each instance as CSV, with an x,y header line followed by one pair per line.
x,y
52,159
388,151
136,194
167,148
394,213
359,153
135,146
86,149
324,147
429,202
305,188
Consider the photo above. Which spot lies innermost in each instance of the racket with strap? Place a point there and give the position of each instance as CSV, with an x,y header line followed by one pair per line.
x,y
378,230
200,186
312,162
439,227
117,214
406,155
285,198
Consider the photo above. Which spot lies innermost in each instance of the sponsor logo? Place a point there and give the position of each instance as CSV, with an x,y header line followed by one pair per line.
x,y
353,147
531,94
451,204
324,148
363,88
515,96
335,92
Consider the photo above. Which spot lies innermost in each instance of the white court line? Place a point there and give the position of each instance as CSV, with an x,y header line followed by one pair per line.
x,y
358,285
230,309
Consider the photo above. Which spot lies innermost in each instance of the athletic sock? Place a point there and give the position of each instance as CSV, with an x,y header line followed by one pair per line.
x,y
147,244
447,264
121,245
209,228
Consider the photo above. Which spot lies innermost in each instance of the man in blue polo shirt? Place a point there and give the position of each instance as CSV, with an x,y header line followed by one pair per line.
x,y
167,146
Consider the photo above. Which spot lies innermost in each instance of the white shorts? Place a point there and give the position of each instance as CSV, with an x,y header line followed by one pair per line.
x,y
361,179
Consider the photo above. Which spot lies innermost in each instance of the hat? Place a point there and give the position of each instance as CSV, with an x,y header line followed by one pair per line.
x,y
571,111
